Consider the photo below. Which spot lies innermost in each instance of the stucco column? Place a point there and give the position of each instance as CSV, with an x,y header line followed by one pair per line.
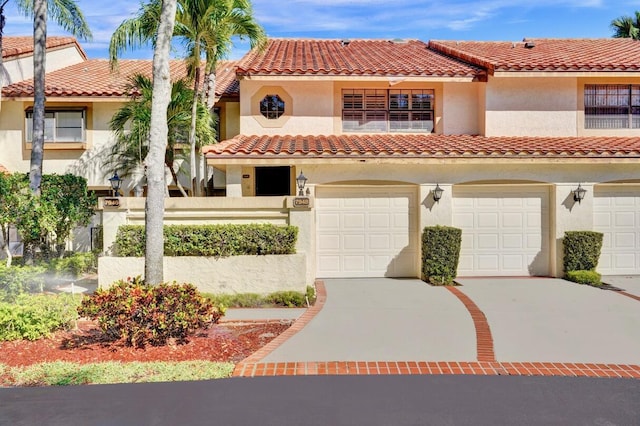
x,y
234,181
568,215
112,219
435,213
304,220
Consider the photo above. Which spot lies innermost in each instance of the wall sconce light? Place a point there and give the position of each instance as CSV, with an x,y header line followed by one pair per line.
x,y
301,180
115,182
437,193
578,193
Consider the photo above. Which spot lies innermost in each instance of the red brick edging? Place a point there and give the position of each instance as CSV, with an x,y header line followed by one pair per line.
x,y
248,369
484,338
299,324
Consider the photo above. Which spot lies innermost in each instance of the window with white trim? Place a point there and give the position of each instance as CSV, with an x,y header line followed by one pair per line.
x,y
60,125
612,106
380,110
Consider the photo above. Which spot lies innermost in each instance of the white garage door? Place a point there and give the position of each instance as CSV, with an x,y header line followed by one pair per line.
x,y
616,213
366,232
504,230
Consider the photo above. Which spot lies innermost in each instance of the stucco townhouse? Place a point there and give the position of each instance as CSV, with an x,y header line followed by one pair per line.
x,y
518,141
513,142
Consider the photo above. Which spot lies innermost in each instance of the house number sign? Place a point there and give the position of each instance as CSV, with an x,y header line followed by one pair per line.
x,y
112,202
301,202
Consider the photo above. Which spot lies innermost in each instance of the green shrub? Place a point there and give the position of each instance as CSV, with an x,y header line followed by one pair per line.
x,y
584,277
17,280
211,240
34,316
142,314
440,254
74,265
289,299
581,250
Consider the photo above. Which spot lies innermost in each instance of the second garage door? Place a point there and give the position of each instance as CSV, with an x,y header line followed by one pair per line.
x,y
504,230
366,231
616,213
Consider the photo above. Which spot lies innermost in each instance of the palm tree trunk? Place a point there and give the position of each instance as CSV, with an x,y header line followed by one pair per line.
x,y
154,206
195,186
2,22
39,62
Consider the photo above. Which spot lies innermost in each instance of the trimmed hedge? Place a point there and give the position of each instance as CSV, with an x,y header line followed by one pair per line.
x,y
440,254
211,240
582,250
585,277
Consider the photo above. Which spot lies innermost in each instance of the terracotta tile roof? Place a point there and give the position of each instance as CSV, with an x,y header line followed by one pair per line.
x,y
95,78
23,45
226,81
611,54
356,57
425,146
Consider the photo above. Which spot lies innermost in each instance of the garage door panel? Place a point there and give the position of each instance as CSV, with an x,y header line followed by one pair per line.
x,y
379,225
617,215
504,231
329,242
379,221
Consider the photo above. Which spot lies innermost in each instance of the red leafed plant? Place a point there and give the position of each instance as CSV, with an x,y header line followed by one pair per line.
x,y
142,314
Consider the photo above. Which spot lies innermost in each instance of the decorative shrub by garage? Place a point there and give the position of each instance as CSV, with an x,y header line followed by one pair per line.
x,y
142,314
581,255
440,254
211,240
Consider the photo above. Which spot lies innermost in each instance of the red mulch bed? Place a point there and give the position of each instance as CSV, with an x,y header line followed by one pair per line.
x,y
230,342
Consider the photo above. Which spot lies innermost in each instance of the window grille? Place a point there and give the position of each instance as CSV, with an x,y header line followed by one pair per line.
x,y
612,106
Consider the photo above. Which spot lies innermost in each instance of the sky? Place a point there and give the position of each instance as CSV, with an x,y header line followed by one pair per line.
x,y
508,20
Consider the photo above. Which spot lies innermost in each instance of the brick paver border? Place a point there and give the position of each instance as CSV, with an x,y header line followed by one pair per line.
x,y
299,324
248,369
486,364
484,338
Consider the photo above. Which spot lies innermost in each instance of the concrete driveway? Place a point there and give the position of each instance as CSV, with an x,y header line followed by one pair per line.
x,y
382,319
628,283
552,320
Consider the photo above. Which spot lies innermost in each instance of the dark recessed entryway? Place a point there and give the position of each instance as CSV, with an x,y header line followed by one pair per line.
x,y
272,181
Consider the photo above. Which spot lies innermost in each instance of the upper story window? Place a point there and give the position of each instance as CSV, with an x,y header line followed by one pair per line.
x,y
272,107
380,110
60,125
612,106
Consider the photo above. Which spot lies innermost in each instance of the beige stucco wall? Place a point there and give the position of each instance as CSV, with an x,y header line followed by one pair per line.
x,y
21,68
87,162
235,274
459,108
310,110
531,106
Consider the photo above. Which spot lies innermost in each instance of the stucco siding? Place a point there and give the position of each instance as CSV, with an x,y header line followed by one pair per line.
x,y
310,112
531,107
460,104
22,68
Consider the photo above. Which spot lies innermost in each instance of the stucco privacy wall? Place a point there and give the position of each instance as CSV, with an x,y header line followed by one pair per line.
x,y
235,274
212,210
531,106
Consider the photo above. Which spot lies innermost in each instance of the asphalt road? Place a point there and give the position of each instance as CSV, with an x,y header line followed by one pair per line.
x,y
333,400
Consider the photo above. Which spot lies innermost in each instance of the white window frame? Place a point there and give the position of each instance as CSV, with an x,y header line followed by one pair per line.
x,y
54,127
612,106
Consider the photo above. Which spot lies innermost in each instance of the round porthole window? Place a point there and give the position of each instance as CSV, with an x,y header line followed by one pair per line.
x,y
272,107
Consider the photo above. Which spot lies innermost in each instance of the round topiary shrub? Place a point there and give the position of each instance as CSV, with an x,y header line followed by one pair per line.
x,y
142,314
